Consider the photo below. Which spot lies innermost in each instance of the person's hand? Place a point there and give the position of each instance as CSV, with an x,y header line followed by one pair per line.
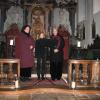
x,y
56,50
31,47
34,50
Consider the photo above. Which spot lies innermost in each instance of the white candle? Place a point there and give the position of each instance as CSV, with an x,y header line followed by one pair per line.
x,y
11,42
78,44
16,84
73,85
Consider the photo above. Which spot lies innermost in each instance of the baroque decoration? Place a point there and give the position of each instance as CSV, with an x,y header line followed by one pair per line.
x,y
39,18
38,21
14,15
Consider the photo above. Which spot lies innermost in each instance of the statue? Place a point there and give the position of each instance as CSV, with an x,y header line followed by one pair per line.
x,y
66,36
37,27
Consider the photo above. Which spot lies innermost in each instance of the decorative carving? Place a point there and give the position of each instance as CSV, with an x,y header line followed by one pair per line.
x,y
38,22
39,18
37,27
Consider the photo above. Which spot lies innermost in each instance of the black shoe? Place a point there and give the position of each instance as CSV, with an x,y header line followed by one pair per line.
x,y
42,78
38,78
58,78
38,75
53,79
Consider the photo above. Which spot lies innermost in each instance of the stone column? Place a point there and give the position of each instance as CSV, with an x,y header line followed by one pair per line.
x,y
89,19
3,17
46,22
50,22
0,21
25,14
72,11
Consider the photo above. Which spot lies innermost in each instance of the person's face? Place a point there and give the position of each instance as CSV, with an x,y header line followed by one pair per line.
x,y
55,32
27,29
41,35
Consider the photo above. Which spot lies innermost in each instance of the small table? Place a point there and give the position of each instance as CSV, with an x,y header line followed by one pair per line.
x,y
7,74
91,66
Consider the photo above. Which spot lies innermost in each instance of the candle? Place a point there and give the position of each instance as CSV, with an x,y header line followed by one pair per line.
x,y
73,85
78,43
11,42
16,84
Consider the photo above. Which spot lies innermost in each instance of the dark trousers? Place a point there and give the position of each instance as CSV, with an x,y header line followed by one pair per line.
x,y
65,64
25,72
56,69
40,66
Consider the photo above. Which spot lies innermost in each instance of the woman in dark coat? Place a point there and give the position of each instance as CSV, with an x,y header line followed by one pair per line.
x,y
40,54
56,55
24,51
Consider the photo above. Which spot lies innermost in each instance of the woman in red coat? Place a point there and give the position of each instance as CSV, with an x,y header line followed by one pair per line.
x,y
24,51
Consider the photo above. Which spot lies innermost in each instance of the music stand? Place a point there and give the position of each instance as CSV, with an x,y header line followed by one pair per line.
x,y
45,73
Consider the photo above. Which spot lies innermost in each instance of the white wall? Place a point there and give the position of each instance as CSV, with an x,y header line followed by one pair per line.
x,y
96,15
89,9
97,21
96,6
85,12
81,10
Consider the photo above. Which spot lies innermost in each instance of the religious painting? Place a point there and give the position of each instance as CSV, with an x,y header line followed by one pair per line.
x,y
38,21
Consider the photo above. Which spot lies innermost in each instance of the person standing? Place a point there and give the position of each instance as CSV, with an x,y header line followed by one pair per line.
x,y
40,54
56,55
66,36
24,51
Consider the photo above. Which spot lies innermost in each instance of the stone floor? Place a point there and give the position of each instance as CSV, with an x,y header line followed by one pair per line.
x,y
56,96
48,90
50,94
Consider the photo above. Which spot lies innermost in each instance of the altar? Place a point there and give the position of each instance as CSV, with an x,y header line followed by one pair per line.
x,y
38,18
43,17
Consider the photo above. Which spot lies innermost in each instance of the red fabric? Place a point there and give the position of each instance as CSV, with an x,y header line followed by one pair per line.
x,y
65,35
58,39
66,48
23,51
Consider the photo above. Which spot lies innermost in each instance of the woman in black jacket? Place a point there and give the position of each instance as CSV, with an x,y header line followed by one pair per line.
x,y
40,54
56,55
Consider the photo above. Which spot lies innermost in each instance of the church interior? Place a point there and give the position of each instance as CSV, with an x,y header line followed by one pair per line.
x,y
78,23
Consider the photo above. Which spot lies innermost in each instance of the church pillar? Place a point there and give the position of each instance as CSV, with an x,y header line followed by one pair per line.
x,y
46,22
50,22
25,14
72,5
89,18
3,17
0,21
29,17
72,20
